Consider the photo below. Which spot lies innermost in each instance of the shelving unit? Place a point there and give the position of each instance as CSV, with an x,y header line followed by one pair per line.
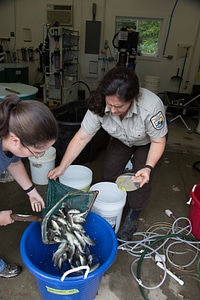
x,y
4,49
61,62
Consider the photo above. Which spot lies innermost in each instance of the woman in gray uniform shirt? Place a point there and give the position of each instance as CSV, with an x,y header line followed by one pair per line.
x,y
135,119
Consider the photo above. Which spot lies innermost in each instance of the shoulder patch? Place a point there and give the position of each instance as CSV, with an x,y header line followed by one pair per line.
x,y
158,120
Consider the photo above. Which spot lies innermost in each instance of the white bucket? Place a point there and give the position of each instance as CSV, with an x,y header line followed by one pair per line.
x,y
41,166
109,203
152,83
149,78
78,177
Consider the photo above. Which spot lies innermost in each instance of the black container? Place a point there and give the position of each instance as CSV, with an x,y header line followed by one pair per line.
x,y
16,73
69,117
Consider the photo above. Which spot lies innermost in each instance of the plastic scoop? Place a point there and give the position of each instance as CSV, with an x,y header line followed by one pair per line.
x,y
126,183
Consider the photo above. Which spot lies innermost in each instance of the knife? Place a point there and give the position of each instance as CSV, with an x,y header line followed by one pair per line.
x,y
26,218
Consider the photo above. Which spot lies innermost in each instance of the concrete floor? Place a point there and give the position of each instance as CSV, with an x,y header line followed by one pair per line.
x,y
171,187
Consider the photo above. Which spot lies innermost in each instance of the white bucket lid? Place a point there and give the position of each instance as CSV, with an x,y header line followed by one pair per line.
x,y
76,173
108,193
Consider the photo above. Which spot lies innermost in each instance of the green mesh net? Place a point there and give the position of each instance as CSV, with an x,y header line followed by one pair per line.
x,y
59,194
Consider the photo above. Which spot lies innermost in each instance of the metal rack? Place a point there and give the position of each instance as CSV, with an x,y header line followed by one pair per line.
x,y
61,69
182,102
4,49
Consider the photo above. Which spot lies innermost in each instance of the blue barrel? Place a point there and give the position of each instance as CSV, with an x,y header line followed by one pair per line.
x,y
23,91
37,257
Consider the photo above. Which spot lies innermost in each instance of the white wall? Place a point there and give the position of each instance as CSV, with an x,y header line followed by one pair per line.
x,y
185,29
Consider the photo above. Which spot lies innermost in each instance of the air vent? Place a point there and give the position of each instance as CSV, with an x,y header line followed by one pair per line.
x,y
60,13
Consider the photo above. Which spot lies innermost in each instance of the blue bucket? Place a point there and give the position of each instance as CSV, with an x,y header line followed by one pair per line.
x,y
37,257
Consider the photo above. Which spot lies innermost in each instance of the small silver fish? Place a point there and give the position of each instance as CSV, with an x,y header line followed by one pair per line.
x,y
66,228
73,211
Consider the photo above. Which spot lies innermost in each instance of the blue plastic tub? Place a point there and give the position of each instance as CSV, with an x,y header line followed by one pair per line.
x,y
37,257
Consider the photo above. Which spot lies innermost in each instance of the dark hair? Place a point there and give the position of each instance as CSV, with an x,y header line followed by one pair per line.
x,y
30,120
119,81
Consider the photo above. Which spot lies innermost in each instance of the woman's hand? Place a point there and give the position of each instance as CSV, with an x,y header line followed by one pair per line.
x,y
142,176
5,217
18,171
74,148
55,173
155,152
37,203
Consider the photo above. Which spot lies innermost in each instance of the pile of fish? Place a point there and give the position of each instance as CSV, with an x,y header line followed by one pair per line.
x,y
66,228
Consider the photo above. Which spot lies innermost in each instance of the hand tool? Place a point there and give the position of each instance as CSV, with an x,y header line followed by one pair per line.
x,y
26,218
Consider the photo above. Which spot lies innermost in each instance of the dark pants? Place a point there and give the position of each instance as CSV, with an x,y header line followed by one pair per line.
x,y
117,156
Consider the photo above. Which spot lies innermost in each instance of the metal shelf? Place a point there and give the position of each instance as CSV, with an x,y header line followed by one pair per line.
x,y
63,51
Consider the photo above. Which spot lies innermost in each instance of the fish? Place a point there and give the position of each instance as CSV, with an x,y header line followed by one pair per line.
x,y
66,227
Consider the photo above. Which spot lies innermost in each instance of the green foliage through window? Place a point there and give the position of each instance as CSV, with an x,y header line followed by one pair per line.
x,y
149,31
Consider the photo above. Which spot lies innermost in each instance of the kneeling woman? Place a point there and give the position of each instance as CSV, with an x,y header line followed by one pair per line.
x,y
27,128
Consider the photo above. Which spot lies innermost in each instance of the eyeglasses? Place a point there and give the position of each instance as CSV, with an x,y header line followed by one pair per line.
x,y
118,106
36,155
114,106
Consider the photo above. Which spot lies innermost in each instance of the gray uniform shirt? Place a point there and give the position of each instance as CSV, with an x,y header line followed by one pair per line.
x,y
145,120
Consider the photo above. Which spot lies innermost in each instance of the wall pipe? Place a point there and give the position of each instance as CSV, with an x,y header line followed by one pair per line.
x,y
168,31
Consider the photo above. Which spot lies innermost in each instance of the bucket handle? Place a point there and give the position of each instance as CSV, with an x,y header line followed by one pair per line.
x,y
194,188
76,270
189,201
191,195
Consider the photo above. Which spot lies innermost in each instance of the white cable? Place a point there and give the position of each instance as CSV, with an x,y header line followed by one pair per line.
x,y
139,281
175,224
160,265
137,244
179,266
136,248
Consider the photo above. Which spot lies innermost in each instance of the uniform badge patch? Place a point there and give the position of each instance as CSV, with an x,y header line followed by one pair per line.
x,y
158,120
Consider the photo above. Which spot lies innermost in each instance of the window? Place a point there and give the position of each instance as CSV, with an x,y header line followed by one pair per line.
x,y
149,33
